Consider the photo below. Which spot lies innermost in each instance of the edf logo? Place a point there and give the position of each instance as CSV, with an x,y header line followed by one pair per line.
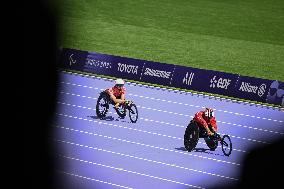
x,y
220,83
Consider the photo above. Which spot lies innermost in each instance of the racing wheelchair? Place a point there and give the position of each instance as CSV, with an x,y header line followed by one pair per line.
x,y
104,102
194,131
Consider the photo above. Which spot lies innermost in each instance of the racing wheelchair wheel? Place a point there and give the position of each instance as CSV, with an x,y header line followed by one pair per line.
x,y
121,111
191,136
102,105
133,113
226,145
211,143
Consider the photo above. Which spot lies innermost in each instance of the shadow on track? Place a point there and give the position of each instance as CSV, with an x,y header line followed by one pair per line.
x,y
200,150
107,118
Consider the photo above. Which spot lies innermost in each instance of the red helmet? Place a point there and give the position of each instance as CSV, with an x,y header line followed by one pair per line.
x,y
209,112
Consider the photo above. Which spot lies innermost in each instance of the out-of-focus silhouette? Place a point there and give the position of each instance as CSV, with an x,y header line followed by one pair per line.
x,y
39,89
262,167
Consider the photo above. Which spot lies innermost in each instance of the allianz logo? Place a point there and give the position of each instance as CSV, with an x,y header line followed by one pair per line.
x,y
131,69
220,83
247,87
157,73
98,63
188,78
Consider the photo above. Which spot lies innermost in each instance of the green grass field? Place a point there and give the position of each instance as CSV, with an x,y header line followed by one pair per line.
x,y
237,36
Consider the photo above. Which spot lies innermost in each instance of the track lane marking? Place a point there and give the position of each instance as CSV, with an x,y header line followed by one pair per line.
x,y
144,159
175,113
169,101
142,144
92,179
128,171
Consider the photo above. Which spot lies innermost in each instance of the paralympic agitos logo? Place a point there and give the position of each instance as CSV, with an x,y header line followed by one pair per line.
x,y
71,60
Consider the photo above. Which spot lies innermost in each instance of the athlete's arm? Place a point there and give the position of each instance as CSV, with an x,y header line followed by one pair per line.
x,y
200,119
115,100
213,123
123,97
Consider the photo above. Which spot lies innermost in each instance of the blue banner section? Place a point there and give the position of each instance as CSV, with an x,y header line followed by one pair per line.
x,y
252,88
157,73
114,66
276,93
204,80
215,82
73,59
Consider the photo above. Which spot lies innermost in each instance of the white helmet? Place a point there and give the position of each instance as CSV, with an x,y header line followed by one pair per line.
x,y
119,82
209,112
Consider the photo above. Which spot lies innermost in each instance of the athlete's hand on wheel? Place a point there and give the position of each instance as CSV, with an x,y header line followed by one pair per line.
x,y
210,133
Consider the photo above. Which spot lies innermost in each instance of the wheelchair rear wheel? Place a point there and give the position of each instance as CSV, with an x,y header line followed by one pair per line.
x,y
191,136
102,105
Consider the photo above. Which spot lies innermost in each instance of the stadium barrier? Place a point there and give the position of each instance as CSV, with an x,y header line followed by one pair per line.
x,y
232,85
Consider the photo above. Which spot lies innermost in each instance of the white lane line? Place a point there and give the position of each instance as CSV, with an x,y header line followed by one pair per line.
x,y
185,104
174,113
120,126
92,179
239,125
145,145
144,159
128,171
149,132
160,122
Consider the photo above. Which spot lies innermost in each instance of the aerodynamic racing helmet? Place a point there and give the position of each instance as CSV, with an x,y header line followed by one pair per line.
x,y
119,82
209,112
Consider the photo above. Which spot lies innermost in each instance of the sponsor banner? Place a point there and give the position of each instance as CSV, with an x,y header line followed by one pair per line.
x,y
204,80
98,64
215,82
121,67
252,88
157,73
276,93
73,59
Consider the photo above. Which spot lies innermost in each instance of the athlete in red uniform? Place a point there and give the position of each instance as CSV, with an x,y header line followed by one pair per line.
x,y
207,120
117,92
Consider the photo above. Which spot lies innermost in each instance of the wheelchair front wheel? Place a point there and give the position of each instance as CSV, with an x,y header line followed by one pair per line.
x,y
133,113
226,145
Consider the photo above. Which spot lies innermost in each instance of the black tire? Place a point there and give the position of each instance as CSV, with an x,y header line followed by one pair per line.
x,y
121,111
102,106
226,145
133,113
191,136
211,143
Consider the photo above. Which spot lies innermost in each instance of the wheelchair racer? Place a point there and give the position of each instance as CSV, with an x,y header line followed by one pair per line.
x,y
207,120
117,92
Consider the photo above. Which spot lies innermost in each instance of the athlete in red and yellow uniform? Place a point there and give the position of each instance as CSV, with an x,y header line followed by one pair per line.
x,y
117,92
207,120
